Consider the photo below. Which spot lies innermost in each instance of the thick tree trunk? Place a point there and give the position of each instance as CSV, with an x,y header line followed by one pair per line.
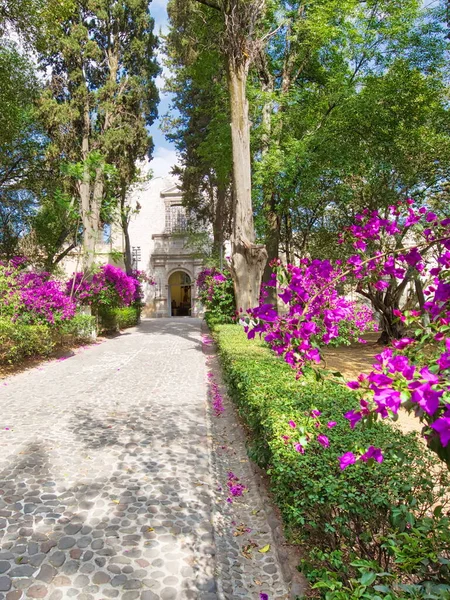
x,y
385,303
126,236
219,220
248,259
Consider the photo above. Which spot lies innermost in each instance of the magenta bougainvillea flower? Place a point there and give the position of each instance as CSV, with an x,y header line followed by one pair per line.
x,y
346,460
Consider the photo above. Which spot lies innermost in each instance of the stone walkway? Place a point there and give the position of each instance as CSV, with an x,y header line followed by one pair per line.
x,y
110,482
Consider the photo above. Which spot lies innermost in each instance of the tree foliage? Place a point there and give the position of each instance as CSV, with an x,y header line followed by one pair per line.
x,y
100,99
348,110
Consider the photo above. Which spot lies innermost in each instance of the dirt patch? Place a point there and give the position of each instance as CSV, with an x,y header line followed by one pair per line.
x,y
359,358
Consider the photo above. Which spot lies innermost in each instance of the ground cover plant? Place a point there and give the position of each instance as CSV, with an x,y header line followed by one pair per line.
x,y
378,526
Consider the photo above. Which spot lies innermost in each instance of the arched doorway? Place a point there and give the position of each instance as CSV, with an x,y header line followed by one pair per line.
x,y
180,295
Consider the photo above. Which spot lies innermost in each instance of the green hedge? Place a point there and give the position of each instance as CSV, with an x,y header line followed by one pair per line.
x,y
338,515
19,341
79,328
113,319
128,316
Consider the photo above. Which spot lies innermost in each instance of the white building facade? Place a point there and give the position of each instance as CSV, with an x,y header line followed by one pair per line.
x,y
160,248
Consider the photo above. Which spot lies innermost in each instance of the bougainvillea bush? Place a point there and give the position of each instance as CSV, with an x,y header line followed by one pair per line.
x,y
32,298
107,291
37,310
108,287
364,531
32,307
393,255
216,293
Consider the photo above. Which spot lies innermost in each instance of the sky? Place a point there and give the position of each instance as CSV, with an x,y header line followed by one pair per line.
x,y
164,155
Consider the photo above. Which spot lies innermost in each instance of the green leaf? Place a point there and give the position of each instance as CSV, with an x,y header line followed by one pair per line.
x,y
368,578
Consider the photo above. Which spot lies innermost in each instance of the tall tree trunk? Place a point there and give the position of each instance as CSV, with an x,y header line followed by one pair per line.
x,y
248,259
272,244
89,233
219,219
126,235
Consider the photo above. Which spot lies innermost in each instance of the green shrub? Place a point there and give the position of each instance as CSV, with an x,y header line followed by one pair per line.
x,y
19,341
107,319
128,316
113,319
327,510
216,293
80,327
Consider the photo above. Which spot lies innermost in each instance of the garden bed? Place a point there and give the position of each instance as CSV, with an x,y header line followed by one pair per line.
x,y
352,524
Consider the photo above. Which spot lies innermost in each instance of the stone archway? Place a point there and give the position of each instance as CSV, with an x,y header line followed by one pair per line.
x,y
180,294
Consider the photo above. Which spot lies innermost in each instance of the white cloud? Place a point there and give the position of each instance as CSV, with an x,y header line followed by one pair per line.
x,y
163,161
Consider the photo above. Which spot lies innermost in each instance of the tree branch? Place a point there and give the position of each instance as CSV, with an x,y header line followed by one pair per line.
x,y
210,4
65,252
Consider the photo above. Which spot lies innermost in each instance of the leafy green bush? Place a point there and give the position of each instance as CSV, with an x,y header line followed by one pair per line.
x,y
351,512
80,327
113,319
216,293
19,341
107,319
128,316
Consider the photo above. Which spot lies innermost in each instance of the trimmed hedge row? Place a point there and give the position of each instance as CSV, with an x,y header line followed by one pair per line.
x,y
113,319
337,515
19,340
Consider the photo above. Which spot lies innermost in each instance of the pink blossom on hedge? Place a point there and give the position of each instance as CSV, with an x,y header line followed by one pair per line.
x,y
374,453
346,460
323,440
299,448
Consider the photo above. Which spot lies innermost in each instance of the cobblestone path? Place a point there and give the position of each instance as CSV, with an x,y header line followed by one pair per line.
x,y
107,479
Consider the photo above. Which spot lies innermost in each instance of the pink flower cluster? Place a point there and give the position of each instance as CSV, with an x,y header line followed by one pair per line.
x,y
34,297
109,284
315,311
207,279
234,487
409,244
217,399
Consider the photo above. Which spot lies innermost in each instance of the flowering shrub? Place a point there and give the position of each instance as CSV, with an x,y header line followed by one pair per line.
x,y
216,293
361,320
379,518
108,287
31,297
415,372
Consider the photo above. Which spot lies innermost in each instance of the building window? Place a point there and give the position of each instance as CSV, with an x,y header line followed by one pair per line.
x,y
176,220
106,233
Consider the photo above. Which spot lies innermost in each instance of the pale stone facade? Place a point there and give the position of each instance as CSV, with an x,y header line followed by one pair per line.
x,y
157,230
